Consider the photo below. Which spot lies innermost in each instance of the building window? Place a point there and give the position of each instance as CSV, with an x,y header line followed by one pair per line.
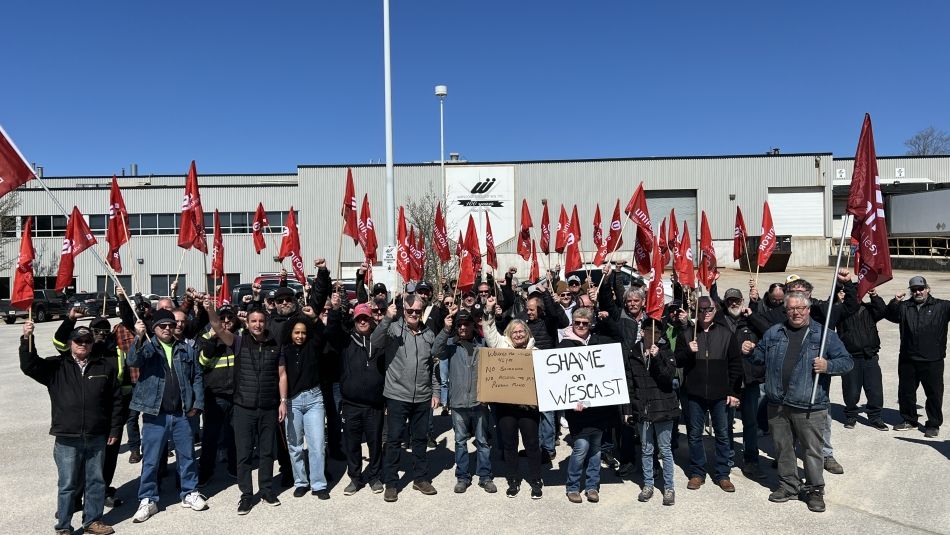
x,y
4,287
233,280
106,284
49,283
46,226
161,284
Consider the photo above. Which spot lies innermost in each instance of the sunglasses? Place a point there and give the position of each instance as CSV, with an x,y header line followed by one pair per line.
x,y
414,311
582,324
164,326
100,332
918,289
575,283
376,311
706,310
565,294
83,342
283,300
227,318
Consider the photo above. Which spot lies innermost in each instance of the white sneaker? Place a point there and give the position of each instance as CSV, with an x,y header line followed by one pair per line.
x,y
196,501
146,509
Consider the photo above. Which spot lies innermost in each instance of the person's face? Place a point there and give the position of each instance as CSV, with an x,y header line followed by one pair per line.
x,y
165,304
585,302
574,287
299,335
469,300
377,313
180,320
519,336
447,302
165,332
413,314
734,306
648,336
425,294
532,309
565,298
777,294
581,327
256,324
227,321
797,313
919,293
466,329
380,296
285,305
633,305
363,325
798,288
100,334
81,347
269,304
706,311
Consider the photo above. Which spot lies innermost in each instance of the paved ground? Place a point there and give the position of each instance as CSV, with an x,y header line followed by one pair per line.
x,y
891,482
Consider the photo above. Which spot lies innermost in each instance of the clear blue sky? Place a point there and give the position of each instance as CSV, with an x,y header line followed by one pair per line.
x,y
259,87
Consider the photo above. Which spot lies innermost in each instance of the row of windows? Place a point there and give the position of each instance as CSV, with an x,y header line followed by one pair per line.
x,y
151,224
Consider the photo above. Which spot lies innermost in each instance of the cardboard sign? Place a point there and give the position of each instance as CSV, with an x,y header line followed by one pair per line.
x,y
506,376
592,375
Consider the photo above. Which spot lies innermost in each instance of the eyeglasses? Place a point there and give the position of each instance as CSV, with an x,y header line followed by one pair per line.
x,y
83,342
582,324
918,289
483,292
798,310
414,311
376,311
164,326
283,300
575,283
565,294
707,310
518,332
100,332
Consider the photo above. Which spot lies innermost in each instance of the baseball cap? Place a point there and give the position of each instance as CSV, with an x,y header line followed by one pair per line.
x,y
271,294
424,287
81,333
379,288
917,281
362,309
791,278
100,323
733,293
283,291
573,278
224,310
464,315
163,316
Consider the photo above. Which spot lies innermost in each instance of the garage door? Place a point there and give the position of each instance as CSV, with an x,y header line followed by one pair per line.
x,y
684,201
798,211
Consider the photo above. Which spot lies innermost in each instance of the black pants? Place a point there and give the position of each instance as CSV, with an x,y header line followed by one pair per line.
x,y
866,374
361,423
398,414
254,427
910,375
334,423
218,413
511,419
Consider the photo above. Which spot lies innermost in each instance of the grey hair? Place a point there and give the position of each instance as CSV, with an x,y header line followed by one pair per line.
x,y
634,291
800,296
583,313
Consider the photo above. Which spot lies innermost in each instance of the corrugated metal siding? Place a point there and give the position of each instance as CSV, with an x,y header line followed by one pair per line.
x,y
936,168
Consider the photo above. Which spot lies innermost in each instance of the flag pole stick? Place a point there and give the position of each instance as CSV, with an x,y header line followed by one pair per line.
x,y
30,318
135,285
757,266
339,250
181,262
831,297
616,246
204,259
748,259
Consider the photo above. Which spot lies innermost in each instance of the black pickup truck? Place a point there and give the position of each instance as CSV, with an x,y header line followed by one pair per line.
x,y
46,305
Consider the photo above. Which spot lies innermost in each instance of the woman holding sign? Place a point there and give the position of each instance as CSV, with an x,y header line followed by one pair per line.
x,y
512,418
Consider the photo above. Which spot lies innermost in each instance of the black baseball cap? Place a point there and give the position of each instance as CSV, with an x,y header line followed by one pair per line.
x,y
81,334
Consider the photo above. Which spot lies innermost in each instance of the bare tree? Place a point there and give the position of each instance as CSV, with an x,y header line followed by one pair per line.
x,y
421,215
8,228
928,142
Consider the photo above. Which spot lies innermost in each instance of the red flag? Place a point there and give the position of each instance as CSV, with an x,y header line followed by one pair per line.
x,y
421,247
415,256
224,293
466,271
642,249
13,167
598,231
707,261
257,228
665,253
524,235
563,228
491,258
191,233
367,232
117,230
767,239
535,273
873,257
738,235
459,245
471,245
217,250
572,259
674,235
290,247
655,296
78,238
684,271
614,238
638,212
350,227
403,251
545,231
440,236
22,296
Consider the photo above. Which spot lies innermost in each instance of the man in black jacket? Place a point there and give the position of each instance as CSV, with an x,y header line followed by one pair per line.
x,y
923,326
217,360
86,407
861,339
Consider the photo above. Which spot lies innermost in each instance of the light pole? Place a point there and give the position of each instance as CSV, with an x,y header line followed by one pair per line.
x,y
442,91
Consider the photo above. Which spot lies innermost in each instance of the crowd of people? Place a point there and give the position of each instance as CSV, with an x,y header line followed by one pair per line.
x,y
300,379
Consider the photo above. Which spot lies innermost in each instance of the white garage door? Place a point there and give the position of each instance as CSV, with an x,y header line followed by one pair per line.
x,y
798,211
661,201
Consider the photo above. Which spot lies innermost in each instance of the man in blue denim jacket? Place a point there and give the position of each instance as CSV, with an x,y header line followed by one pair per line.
x,y
170,390
789,352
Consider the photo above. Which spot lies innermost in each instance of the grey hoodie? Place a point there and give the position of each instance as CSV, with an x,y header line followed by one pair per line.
x,y
409,360
462,357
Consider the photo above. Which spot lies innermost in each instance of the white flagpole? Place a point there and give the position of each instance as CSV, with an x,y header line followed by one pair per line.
x,y
831,302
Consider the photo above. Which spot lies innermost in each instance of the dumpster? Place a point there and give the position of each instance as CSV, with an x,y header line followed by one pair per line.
x,y
777,262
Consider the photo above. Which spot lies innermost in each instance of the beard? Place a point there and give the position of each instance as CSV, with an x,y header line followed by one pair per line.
x,y
734,312
919,298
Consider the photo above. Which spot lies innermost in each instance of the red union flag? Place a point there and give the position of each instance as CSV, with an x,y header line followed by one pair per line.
x,y
524,235
403,251
598,230
14,171
22,296
224,294
707,262
440,236
563,229
117,230
367,232
471,245
738,235
545,231
685,270
350,226
642,250
767,239
873,257
655,296
459,245
257,228
662,243
614,239
637,211
415,255
217,249
674,235
491,258
290,247
573,260
535,272
191,233
78,238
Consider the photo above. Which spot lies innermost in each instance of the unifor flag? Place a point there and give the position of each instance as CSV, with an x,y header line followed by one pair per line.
x,y
738,235
367,232
614,238
78,238
471,244
638,212
598,229
573,260
642,251
224,293
416,255
117,230
685,273
14,171
673,237
535,272
257,228
440,236
191,232
707,260
466,271
217,250
663,243
872,258
767,238
655,296
403,254
22,296
563,228
545,231
290,247
459,245
491,258
350,226
524,234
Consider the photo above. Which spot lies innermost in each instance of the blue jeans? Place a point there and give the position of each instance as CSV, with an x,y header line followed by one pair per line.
x,y
546,432
444,382
306,419
466,423
657,434
75,456
698,407
584,458
156,431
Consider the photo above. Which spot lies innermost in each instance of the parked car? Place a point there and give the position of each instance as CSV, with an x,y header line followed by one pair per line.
x,y
92,302
46,305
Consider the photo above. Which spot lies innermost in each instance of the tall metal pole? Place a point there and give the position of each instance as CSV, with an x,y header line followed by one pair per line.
x,y
390,181
442,140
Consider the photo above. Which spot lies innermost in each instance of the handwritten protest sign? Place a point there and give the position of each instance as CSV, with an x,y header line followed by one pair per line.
x,y
593,375
506,376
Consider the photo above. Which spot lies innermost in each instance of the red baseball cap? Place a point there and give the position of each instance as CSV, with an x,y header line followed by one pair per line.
x,y
362,309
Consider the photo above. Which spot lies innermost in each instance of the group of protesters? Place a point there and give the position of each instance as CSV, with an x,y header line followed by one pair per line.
x,y
298,379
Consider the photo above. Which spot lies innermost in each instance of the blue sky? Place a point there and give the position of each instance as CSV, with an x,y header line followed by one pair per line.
x,y
260,87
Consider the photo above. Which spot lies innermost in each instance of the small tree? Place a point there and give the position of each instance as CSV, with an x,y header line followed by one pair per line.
x,y
928,142
421,215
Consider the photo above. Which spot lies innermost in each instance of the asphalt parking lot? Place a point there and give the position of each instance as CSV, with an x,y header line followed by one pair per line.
x,y
891,482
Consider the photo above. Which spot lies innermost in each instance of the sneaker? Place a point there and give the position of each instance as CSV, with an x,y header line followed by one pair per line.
x,y
196,501
781,495
68,531
145,511
592,495
135,456
322,494
815,501
513,488
391,494
270,499
849,423
460,486
645,494
752,471
607,460
489,486
352,488
377,486
431,443
424,487
574,497
931,432
244,505
300,492
669,497
833,466
536,492
98,528
905,426
626,470
879,425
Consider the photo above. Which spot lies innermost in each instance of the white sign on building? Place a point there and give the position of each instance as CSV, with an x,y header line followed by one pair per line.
x,y
477,190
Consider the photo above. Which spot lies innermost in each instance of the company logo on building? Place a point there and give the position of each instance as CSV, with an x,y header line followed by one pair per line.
x,y
483,186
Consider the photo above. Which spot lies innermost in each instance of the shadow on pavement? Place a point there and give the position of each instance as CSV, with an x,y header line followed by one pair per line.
x,y
942,446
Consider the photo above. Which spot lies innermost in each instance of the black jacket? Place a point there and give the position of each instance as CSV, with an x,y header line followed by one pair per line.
x,y
650,384
761,320
303,362
256,372
716,370
81,403
923,330
859,331
592,418
544,328
362,369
